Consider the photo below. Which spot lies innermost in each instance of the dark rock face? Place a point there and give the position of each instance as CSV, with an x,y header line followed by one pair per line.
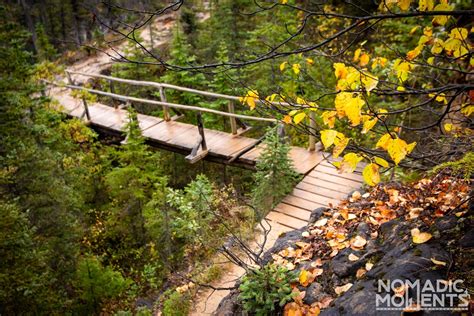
x,y
397,258
288,239
394,257
317,213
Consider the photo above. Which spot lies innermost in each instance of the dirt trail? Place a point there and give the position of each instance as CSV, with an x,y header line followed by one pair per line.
x,y
207,300
162,31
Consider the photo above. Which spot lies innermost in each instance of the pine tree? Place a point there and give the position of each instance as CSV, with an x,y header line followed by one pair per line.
x,y
275,176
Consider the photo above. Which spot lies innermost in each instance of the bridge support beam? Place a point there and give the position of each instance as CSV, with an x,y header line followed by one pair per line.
x,y
199,150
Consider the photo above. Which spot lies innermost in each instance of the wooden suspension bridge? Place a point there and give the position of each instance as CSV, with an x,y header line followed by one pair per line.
x,y
321,186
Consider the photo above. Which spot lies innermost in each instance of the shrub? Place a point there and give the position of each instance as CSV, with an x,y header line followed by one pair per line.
x,y
262,289
176,304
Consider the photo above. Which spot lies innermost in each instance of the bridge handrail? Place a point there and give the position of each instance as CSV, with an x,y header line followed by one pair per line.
x,y
161,103
161,86
179,88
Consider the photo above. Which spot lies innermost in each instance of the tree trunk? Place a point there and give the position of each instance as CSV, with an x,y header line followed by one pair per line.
x,y
76,21
30,24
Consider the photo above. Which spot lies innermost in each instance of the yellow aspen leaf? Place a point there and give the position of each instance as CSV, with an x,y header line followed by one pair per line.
x,y
364,59
292,309
401,88
467,110
296,68
299,117
371,174
287,119
424,39
357,54
413,30
440,97
340,103
250,98
327,137
321,222
309,61
414,53
398,149
438,45
430,60
340,143
426,5
419,237
455,47
437,262
402,69
428,31
459,33
349,164
271,97
358,242
313,106
340,70
283,1
343,288
404,4
381,162
301,101
353,257
283,65
369,81
329,118
384,141
369,124
353,109
410,147
441,19
448,127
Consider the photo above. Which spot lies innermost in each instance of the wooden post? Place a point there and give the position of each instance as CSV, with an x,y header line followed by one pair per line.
x,y
201,131
166,113
112,90
312,130
69,78
233,123
86,109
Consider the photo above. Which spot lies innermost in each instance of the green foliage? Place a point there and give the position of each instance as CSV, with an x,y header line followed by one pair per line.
x,y
23,290
46,51
275,176
264,288
176,303
181,55
462,167
96,283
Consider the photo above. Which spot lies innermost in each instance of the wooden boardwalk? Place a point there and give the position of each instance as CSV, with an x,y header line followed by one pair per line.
x,y
323,186
180,137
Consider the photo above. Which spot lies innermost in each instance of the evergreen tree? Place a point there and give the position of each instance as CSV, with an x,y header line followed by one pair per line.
x,y
275,176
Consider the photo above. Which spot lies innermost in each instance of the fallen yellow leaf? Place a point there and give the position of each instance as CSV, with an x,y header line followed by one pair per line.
x,y
419,237
343,288
437,262
353,257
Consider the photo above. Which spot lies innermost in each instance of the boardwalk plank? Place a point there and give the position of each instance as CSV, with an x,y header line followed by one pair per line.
x,y
293,211
333,170
314,197
338,187
335,179
286,220
302,203
320,190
